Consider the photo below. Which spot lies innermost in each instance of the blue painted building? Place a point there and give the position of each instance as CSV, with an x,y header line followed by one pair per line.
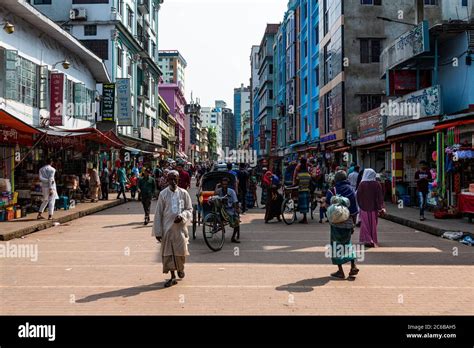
x,y
308,38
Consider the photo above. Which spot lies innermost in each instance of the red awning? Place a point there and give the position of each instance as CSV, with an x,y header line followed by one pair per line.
x,y
454,124
111,134
96,135
11,121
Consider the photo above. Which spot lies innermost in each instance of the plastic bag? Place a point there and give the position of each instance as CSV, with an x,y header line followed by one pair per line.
x,y
338,212
453,235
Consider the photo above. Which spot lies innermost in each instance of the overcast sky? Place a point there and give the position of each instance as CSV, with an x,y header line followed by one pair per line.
x,y
215,38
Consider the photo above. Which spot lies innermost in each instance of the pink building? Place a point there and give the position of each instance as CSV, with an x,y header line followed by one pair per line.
x,y
175,99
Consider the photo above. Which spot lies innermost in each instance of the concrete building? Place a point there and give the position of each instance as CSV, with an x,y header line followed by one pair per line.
x,y
173,66
35,54
266,112
254,107
193,132
228,129
212,118
124,33
246,131
241,105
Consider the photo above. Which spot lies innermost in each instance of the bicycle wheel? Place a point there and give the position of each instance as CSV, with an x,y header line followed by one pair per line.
x,y
194,221
288,211
214,232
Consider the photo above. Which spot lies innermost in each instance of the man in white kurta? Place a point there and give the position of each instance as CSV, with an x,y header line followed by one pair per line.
x,y
173,213
48,186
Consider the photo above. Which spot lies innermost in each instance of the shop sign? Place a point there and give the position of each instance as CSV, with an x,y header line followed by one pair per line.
x,y
420,104
407,46
370,123
262,138
69,141
56,99
146,133
108,102
157,136
274,134
327,138
124,102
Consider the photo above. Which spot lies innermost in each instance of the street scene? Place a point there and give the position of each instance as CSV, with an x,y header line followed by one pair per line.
x,y
279,157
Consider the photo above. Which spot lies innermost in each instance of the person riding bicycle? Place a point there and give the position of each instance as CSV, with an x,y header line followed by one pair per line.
x,y
231,207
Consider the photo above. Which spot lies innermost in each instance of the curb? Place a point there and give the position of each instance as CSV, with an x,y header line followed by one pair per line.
x,y
436,231
48,224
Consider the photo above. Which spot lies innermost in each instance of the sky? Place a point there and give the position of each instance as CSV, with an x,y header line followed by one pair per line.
x,y
215,37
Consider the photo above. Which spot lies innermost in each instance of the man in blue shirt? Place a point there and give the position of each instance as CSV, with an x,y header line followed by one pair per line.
x,y
232,207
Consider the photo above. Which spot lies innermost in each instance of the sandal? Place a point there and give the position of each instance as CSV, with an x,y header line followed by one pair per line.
x,y
181,275
354,272
40,218
338,275
170,283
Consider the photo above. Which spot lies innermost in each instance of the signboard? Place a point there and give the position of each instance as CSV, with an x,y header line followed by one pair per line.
x,y
108,102
370,123
262,138
407,46
331,137
12,136
274,134
56,108
124,102
157,136
146,133
420,104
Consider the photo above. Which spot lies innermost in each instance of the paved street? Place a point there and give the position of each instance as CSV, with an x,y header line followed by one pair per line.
x,y
107,263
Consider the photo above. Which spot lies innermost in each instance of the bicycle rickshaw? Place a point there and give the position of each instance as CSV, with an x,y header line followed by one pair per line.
x,y
210,210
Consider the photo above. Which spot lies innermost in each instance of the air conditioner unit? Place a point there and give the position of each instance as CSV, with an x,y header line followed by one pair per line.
x,y
78,14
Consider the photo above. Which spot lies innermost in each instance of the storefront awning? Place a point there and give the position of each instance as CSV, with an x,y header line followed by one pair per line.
x,y
11,121
455,121
92,134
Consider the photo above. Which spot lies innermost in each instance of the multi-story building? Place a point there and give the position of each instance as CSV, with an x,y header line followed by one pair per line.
x,y
212,119
173,65
204,145
241,105
266,113
228,129
246,130
193,131
254,107
123,33
176,101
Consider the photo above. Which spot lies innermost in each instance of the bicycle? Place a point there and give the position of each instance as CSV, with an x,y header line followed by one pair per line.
x,y
289,206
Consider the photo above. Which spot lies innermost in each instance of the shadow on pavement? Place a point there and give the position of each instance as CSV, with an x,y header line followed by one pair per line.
x,y
128,292
306,285
124,225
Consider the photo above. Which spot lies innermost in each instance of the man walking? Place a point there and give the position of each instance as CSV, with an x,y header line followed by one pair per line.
x,y
121,180
94,184
423,177
173,212
243,178
104,183
147,188
48,186
184,177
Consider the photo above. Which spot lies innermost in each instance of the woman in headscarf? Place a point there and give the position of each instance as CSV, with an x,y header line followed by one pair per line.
x,y
341,233
266,185
371,204
275,200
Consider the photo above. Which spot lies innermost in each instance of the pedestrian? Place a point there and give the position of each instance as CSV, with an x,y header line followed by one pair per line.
x,y
184,177
173,212
371,205
423,178
121,181
232,207
323,207
266,184
243,179
251,199
230,170
94,184
303,180
147,189
342,250
104,183
133,185
353,176
274,201
49,190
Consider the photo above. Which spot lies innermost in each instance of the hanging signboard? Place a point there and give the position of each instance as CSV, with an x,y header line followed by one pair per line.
x,y
124,102
108,102
57,98
274,134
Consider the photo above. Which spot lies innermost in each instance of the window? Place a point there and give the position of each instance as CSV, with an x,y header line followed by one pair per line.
x,y
369,102
42,2
270,69
305,48
371,2
28,82
270,94
327,64
90,30
370,50
464,3
316,35
99,47
305,86
316,76
326,16
431,2
129,66
90,1
130,17
120,7
119,57
327,112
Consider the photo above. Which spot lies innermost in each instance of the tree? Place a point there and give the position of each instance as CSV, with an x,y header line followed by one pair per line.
x,y
212,139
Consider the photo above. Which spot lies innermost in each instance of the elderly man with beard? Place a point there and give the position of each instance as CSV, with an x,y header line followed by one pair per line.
x,y
173,212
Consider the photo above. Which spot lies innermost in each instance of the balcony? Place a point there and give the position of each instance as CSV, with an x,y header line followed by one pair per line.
x,y
144,7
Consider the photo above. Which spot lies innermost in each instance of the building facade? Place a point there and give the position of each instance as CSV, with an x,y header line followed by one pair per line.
x,y
173,66
254,105
241,105
228,129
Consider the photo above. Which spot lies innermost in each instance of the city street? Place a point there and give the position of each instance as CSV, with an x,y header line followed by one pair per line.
x,y
108,264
